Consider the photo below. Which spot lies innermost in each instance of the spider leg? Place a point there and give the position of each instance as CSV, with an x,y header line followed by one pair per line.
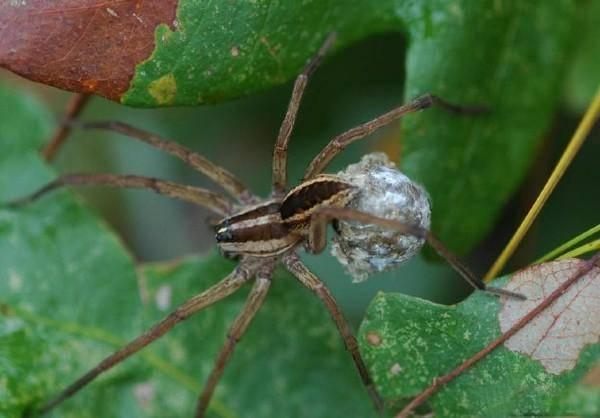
x,y
295,266
281,145
242,273
219,175
240,325
340,142
441,249
74,109
199,196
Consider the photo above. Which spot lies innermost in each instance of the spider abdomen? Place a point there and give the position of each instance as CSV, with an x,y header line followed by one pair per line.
x,y
304,200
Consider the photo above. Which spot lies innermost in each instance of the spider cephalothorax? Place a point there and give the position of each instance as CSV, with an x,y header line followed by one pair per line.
x,y
265,232
278,225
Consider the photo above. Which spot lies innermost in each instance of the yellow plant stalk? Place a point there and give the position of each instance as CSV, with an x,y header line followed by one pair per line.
x,y
587,122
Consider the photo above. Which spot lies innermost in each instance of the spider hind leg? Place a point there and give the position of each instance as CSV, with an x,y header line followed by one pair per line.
x,y
295,266
253,303
352,214
232,282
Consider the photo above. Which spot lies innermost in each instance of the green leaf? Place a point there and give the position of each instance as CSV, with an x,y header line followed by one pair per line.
x,y
70,295
408,342
62,274
219,51
583,400
510,56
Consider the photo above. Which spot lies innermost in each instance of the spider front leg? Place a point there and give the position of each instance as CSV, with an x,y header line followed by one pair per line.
x,y
238,328
281,145
295,266
340,142
240,275
218,174
199,196
329,213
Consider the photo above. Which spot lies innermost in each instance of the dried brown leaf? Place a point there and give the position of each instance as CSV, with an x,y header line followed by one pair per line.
x,y
88,46
557,335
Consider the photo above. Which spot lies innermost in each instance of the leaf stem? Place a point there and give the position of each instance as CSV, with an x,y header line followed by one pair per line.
x,y
440,381
586,124
571,243
585,248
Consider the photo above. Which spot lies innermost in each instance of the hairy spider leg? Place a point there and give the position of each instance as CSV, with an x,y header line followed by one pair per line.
x,y
199,196
281,144
341,141
216,173
330,213
295,266
255,299
232,282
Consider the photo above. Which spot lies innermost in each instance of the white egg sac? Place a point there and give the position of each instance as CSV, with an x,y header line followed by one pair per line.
x,y
385,192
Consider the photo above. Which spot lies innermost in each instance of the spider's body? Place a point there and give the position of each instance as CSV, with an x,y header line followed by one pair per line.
x,y
261,232
278,225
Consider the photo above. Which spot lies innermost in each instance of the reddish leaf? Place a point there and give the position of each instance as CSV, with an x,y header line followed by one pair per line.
x,y
80,45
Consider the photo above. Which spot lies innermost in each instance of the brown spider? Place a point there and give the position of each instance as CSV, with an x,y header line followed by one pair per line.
x,y
262,232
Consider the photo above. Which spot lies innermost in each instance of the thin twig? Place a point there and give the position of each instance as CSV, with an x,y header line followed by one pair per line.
x,y
581,250
439,382
581,133
568,245
74,108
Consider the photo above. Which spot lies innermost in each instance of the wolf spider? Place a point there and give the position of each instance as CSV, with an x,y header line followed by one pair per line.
x,y
261,232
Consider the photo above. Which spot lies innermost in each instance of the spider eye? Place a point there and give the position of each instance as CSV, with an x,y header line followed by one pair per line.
x,y
224,235
385,192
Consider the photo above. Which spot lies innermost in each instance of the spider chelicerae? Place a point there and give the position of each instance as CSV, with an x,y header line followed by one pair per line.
x,y
262,232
